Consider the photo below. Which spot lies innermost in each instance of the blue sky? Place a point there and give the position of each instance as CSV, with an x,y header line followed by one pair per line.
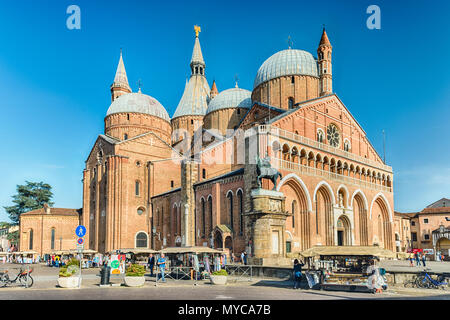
x,y
54,82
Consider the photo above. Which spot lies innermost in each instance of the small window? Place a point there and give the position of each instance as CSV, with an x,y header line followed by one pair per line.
x,y
291,103
425,220
137,188
192,121
414,236
413,223
125,136
288,247
426,237
171,184
128,116
204,173
238,111
292,80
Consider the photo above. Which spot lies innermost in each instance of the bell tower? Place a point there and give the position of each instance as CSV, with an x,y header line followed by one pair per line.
x,y
325,67
120,85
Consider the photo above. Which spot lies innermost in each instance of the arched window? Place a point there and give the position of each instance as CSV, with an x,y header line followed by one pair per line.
x,y
291,103
30,244
141,240
241,212
346,145
292,79
137,188
203,218
320,136
294,204
52,241
230,208
210,214
125,136
204,173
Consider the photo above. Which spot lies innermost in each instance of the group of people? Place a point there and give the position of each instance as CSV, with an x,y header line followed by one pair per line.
x,y
418,257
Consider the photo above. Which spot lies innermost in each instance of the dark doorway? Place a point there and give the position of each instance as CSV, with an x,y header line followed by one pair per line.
x,y
340,235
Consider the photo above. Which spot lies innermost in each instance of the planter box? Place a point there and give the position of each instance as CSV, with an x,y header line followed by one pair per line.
x,y
134,281
218,279
68,282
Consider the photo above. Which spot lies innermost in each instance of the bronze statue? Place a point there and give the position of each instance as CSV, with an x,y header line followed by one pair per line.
x,y
265,170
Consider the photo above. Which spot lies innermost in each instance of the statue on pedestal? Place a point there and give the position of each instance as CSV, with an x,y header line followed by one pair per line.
x,y
264,170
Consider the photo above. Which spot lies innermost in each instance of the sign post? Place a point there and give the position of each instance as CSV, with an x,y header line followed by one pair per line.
x,y
80,232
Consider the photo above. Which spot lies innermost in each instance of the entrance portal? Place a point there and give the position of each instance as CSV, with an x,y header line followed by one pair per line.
x,y
343,232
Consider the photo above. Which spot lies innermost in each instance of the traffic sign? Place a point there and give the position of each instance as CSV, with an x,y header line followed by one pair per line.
x,y
80,231
80,240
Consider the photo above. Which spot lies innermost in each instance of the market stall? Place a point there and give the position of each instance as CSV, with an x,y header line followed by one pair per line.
x,y
135,255
88,255
28,257
190,262
58,258
344,268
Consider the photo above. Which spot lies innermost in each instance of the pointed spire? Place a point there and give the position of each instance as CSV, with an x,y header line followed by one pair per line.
x,y
121,80
324,40
197,56
214,92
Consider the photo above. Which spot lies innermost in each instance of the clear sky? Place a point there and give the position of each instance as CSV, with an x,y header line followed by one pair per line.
x,y
54,82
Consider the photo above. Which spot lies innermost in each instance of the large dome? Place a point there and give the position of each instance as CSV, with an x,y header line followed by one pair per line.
x,y
287,63
231,98
138,103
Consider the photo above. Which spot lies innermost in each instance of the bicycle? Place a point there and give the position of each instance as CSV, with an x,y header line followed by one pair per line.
x,y
424,280
23,277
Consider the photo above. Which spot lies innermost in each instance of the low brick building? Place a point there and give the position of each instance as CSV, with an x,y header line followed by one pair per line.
x,y
48,229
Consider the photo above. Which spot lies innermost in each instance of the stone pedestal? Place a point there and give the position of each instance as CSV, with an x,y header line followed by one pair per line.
x,y
266,223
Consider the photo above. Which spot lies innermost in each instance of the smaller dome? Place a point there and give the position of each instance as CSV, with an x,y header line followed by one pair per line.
x,y
138,103
231,98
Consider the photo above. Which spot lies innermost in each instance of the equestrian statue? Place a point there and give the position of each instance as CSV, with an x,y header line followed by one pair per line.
x,y
264,170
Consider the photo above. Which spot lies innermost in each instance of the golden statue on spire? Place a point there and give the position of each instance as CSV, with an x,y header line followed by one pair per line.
x,y
197,30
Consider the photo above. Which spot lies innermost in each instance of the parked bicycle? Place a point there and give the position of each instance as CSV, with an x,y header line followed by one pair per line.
x,y
23,278
424,280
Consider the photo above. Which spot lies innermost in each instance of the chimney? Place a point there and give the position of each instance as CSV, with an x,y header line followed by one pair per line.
x,y
46,208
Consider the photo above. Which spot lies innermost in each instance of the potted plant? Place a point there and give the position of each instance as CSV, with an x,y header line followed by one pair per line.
x,y
134,276
69,274
219,277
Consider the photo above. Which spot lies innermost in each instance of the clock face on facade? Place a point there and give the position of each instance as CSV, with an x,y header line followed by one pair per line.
x,y
333,135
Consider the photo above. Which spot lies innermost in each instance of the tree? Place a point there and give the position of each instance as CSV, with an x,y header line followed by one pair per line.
x,y
30,196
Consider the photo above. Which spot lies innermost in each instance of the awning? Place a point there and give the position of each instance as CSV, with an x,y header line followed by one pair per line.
x,y
134,250
85,251
25,252
181,250
347,251
60,252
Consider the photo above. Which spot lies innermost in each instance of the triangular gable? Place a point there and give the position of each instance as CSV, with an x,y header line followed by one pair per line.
x,y
267,111
109,141
311,104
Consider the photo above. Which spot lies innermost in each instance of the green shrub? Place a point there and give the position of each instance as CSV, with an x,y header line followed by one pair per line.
x,y
73,262
222,272
135,270
69,271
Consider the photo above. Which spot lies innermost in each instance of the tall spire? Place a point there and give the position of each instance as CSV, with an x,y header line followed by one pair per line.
x,y
197,62
120,85
214,92
324,40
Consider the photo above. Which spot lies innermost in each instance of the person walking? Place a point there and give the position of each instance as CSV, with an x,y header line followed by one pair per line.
x,y
442,257
162,266
242,257
245,257
416,256
423,259
411,259
151,263
297,273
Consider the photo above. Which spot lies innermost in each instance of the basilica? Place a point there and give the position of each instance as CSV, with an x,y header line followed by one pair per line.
x,y
155,181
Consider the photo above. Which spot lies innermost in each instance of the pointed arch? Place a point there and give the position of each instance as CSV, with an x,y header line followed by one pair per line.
x,y
386,202
302,184
326,185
